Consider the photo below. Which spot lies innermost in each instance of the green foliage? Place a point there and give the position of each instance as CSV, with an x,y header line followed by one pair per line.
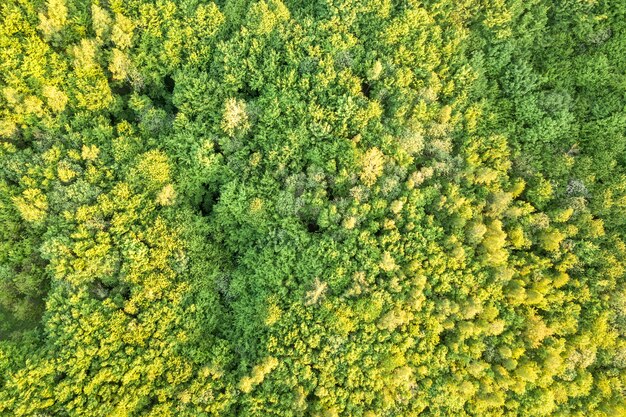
x,y
312,208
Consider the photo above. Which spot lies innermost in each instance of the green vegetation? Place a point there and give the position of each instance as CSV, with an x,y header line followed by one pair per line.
x,y
322,208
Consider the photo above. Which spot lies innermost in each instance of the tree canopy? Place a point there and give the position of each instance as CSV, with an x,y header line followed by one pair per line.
x,y
317,208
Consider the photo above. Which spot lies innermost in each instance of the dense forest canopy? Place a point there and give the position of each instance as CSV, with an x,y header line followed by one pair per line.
x,y
364,208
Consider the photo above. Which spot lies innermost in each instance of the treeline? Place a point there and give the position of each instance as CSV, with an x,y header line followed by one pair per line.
x,y
312,208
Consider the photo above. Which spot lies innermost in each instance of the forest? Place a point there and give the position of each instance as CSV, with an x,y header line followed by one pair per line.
x,y
313,208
